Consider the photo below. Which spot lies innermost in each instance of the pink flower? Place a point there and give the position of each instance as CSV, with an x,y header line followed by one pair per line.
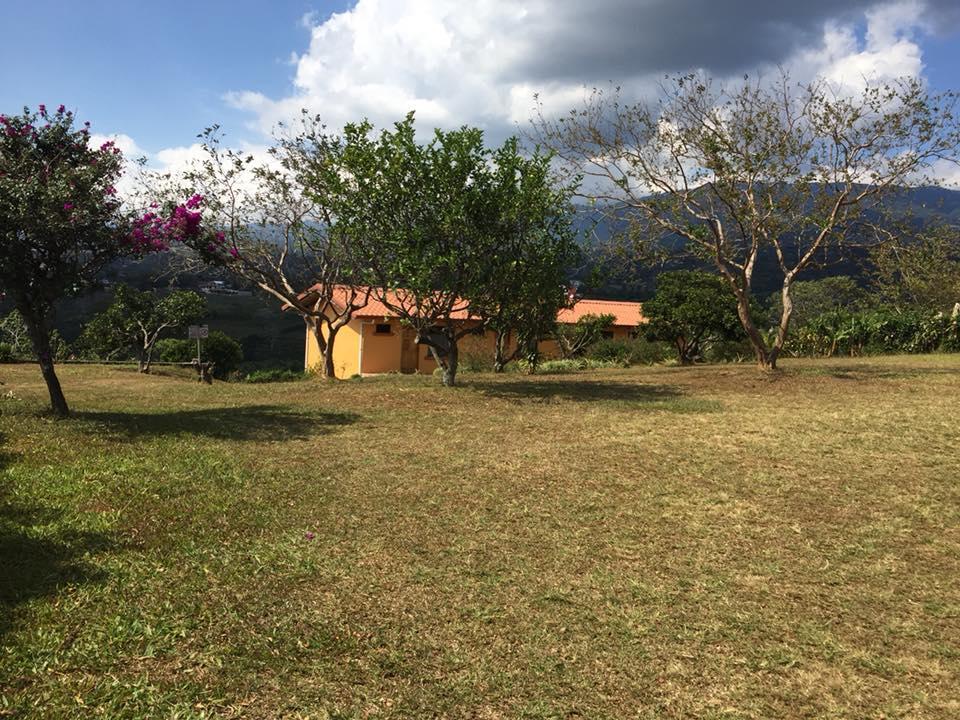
x,y
310,535
234,253
42,108
61,108
68,206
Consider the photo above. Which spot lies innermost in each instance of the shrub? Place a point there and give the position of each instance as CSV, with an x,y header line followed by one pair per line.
x,y
275,375
569,365
875,332
176,350
224,351
6,353
628,352
219,348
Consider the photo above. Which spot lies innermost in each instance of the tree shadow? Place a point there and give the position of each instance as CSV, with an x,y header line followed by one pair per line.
x,y
250,422
543,390
33,564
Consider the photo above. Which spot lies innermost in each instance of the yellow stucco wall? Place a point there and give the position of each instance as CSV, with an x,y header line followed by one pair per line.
x,y
382,353
346,351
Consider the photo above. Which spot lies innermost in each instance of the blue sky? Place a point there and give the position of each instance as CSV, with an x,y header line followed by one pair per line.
x,y
154,70
161,72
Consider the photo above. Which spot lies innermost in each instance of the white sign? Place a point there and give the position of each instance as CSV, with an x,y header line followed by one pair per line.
x,y
198,332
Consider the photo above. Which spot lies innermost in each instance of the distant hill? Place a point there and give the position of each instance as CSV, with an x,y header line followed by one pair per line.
x,y
608,276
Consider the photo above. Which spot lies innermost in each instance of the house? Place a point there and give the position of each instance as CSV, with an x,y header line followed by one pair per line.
x,y
375,341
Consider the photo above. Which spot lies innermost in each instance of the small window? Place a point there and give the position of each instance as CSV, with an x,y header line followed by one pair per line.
x,y
382,329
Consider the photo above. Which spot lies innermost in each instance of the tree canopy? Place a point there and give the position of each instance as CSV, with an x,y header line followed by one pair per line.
x,y
727,173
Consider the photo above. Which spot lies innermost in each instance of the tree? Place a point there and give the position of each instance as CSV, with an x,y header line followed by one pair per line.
x,y
729,175
689,309
223,351
574,339
813,298
135,320
61,222
271,233
440,224
535,251
919,270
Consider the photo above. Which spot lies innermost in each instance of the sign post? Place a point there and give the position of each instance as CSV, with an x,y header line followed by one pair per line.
x,y
199,332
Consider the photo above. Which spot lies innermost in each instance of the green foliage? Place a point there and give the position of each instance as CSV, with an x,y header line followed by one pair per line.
x,y
919,270
274,375
135,321
459,227
573,339
569,365
6,353
13,332
176,350
638,351
813,298
223,350
691,309
876,332
219,348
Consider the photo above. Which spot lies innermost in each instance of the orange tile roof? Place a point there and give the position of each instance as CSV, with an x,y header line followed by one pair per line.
x,y
375,308
625,312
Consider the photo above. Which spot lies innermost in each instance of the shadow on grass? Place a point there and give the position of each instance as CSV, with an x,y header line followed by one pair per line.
x,y
576,390
251,422
35,564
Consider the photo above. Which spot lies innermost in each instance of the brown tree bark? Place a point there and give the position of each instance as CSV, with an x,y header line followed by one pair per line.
x,y
40,338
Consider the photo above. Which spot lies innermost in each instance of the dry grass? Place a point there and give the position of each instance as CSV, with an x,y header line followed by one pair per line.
x,y
663,542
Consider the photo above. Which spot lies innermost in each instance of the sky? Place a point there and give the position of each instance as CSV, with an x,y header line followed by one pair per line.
x,y
153,75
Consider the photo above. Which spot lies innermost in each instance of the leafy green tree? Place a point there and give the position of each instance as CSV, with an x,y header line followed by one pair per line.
x,y
727,174
14,332
223,351
919,270
573,339
813,298
439,224
534,252
689,309
135,320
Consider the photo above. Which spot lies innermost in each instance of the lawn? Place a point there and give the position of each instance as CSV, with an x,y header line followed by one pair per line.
x,y
647,543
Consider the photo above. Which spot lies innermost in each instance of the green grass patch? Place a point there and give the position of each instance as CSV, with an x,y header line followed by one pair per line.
x,y
654,542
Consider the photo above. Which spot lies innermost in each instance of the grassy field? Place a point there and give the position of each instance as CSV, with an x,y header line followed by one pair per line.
x,y
644,543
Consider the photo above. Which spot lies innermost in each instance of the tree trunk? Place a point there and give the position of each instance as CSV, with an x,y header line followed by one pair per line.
x,y
784,324
328,371
765,359
498,354
40,337
450,368
324,345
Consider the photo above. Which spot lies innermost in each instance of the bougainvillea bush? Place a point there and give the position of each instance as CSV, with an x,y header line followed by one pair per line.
x,y
62,221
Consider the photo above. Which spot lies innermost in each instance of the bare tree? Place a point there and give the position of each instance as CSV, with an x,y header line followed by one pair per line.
x,y
272,234
796,171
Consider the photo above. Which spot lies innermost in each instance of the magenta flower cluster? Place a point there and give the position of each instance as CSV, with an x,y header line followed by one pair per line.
x,y
154,233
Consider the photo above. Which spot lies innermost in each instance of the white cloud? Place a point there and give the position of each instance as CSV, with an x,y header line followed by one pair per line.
x,y
889,49
482,63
